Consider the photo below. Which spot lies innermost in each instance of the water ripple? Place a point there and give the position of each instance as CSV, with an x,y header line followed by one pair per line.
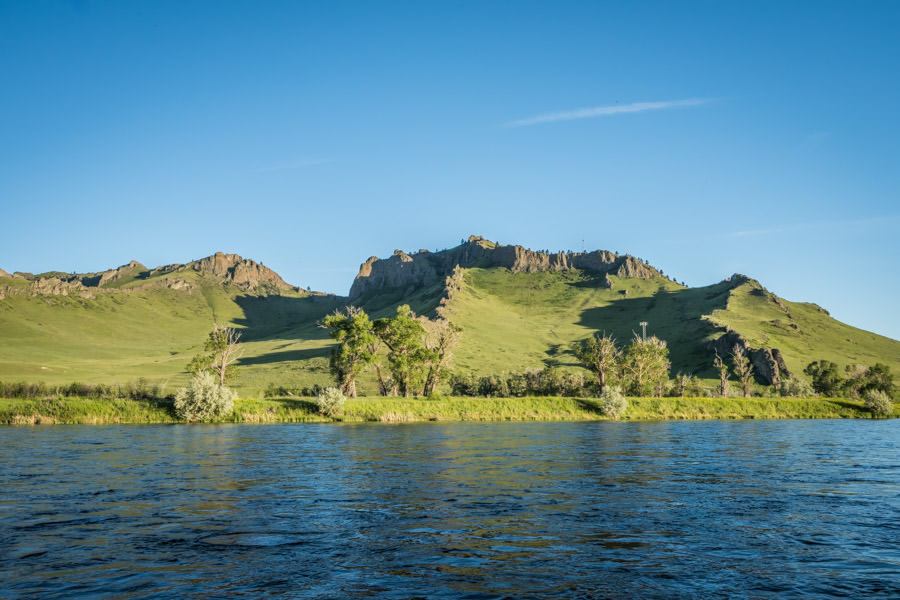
x,y
544,510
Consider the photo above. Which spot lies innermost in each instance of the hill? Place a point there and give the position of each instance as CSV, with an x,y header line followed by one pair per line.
x,y
517,308
133,322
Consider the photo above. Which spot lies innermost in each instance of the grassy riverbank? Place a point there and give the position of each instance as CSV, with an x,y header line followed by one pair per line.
x,y
404,410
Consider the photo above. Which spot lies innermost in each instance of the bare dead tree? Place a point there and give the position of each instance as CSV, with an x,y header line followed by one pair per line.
x,y
720,365
743,368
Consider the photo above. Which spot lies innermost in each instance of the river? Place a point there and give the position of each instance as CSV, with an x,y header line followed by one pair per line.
x,y
510,510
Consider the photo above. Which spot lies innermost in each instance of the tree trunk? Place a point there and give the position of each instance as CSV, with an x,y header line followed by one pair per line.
x,y
382,384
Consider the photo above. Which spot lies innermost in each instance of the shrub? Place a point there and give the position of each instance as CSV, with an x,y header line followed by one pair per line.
x,y
204,399
796,387
613,403
330,402
878,403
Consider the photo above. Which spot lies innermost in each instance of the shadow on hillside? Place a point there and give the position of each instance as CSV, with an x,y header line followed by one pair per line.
x,y
284,356
672,315
284,317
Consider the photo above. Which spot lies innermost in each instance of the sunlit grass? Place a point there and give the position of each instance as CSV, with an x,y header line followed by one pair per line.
x,y
446,409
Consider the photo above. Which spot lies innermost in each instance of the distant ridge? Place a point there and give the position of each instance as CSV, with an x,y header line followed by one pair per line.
x,y
516,309
424,268
232,269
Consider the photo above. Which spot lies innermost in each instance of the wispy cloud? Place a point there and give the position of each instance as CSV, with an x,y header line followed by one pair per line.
x,y
289,166
605,111
871,221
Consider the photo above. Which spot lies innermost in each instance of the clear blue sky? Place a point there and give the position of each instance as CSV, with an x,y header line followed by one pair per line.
x,y
708,138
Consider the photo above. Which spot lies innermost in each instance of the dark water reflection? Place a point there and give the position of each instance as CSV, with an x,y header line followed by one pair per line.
x,y
717,509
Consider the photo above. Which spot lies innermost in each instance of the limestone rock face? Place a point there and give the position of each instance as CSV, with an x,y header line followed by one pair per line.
x,y
242,272
424,268
54,286
4,273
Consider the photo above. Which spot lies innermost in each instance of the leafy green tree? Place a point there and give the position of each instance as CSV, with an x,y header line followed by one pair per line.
x,y
826,379
441,336
743,368
220,352
861,380
407,356
600,355
687,385
353,329
646,366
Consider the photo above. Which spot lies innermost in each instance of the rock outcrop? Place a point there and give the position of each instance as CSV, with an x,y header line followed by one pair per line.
x,y
242,272
54,286
131,269
424,268
769,367
4,273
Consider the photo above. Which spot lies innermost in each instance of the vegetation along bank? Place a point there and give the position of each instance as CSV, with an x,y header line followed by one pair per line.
x,y
100,411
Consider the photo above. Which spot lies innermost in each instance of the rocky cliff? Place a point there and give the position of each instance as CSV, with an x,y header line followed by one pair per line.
x,y
424,268
242,272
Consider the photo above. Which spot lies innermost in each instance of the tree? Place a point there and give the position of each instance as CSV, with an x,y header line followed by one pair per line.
x,y
861,380
600,355
826,379
646,365
407,355
687,385
722,368
353,329
743,368
220,351
441,336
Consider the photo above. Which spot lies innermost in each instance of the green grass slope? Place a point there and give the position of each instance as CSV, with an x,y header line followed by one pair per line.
x,y
152,332
143,328
514,321
803,332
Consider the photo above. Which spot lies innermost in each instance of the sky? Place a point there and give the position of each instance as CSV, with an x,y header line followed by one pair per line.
x,y
706,137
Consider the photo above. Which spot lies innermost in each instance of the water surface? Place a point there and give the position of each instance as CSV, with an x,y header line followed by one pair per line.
x,y
544,510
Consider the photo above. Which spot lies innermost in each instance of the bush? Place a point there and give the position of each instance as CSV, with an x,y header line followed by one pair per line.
x,y
796,387
878,403
204,399
330,402
613,403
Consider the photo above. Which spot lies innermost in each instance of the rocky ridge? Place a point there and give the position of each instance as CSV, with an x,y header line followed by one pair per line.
x,y
231,269
411,271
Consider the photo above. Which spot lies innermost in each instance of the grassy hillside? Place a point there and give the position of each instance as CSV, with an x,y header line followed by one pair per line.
x,y
518,320
142,328
803,331
152,332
